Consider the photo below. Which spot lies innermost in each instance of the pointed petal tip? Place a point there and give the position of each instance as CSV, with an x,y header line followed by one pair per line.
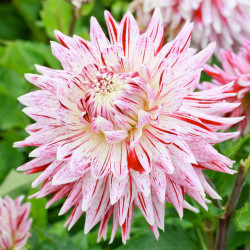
x,y
107,13
19,169
62,211
93,19
28,76
86,229
232,172
32,196
34,184
17,144
180,213
218,198
57,33
33,154
187,26
21,99
47,205
157,14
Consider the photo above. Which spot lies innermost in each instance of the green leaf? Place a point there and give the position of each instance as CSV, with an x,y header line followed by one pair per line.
x,y
214,210
12,85
56,15
16,183
59,229
29,10
87,8
235,150
223,182
242,218
119,8
232,150
9,157
11,115
21,56
42,239
177,222
237,238
12,26
38,211
174,238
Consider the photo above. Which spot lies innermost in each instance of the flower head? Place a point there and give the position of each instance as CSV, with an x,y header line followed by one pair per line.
x,y
120,125
220,21
14,223
236,69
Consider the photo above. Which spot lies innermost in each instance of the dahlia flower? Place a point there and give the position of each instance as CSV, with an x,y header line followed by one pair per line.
x,y
221,21
121,126
14,223
236,69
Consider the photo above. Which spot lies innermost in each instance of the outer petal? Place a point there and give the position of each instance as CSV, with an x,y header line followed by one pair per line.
x,y
97,35
155,30
128,34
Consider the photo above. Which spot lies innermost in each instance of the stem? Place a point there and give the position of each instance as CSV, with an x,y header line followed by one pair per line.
x,y
210,234
224,221
76,13
201,238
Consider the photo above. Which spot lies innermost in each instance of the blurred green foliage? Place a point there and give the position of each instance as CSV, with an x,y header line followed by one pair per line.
x,y
26,27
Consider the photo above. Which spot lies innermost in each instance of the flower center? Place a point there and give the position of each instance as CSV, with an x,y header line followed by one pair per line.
x,y
104,85
117,97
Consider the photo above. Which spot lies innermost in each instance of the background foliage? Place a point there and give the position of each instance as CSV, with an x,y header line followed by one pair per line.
x,y
26,27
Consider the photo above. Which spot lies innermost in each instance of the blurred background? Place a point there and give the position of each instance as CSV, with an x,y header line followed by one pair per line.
x,y
26,27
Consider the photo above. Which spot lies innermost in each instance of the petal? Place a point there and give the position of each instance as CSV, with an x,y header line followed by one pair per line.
x,y
117,188
128,34
104,225
99,207
115,136
159,211
101,124
145,205
74,216
158,181
97,35
65,175
119,163
124,203
143,118
155,30
144,52
175,194
90,188
112,27
142,181
73,198
126,226
43,82
101,164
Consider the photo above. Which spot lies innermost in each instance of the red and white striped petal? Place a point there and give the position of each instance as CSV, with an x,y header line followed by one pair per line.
x,y
112,27
155,30
128,35
97,36
117,188
175,193
146,206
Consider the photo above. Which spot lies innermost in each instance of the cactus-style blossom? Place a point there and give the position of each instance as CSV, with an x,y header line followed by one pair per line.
x,y
121,126
236,69
14,223
221,21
